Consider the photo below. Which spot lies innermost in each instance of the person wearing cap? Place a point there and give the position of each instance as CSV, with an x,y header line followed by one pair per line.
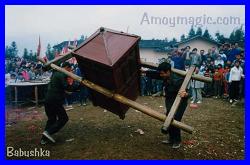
x,y
54,100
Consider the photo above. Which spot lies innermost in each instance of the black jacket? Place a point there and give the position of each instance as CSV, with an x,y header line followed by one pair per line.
x,y
172,85
57,87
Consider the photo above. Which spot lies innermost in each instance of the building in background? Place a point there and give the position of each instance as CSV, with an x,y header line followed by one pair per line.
x,y
199,42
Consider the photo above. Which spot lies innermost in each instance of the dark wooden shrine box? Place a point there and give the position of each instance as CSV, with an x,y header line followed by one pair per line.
x,y
111,59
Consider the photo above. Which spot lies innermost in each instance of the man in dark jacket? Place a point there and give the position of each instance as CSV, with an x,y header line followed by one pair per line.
x,y
54,100
172,83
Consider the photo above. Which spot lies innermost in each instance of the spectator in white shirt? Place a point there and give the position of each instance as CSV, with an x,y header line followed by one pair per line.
x,y
218,61
235,76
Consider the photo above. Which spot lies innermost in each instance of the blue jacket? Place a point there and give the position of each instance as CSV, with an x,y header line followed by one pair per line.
x,y
232,54
178,62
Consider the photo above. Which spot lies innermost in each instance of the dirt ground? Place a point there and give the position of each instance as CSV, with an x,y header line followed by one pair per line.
x,y
93,133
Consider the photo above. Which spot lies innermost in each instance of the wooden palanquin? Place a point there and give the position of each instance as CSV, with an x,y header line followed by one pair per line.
x,y
111,59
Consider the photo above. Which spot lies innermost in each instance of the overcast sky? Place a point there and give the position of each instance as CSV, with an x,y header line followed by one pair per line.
x,y
54,24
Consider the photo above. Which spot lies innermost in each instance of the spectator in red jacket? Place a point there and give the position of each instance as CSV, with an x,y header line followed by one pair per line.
x,y
218,77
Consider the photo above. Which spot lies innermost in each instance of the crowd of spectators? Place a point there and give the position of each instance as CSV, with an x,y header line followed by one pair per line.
x,y
18,70
225,65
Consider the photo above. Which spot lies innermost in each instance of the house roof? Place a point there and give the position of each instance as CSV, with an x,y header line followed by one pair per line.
x,y
106,46
152,44
198,37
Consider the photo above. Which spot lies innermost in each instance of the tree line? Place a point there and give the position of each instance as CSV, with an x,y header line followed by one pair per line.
x,y
11,51
237,35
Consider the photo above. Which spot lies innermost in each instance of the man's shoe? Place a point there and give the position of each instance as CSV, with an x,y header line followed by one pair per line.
x,y
231,101
167,142
176,145
48,136
69,108
43,142
199,102
156,94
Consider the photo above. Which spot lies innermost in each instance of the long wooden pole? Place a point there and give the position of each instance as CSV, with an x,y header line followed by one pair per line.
x,y
177,71
122,99
70,54
178,99
59,60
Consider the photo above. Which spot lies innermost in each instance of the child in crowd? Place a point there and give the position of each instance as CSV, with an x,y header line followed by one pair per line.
x,y
218,76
